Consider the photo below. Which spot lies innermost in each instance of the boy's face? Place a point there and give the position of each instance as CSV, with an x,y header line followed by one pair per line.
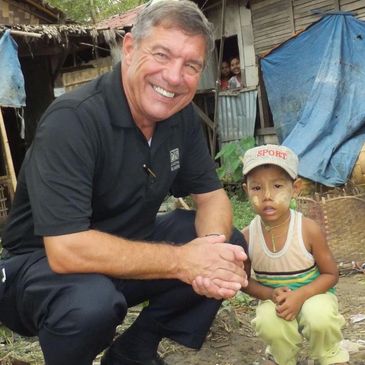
x,y
270,189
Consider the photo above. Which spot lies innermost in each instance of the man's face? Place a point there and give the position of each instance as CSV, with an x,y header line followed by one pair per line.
x,y
161,73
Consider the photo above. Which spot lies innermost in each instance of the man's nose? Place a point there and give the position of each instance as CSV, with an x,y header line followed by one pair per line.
x,y
174,72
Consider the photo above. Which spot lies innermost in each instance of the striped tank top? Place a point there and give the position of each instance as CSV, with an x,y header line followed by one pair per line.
x,y
293,266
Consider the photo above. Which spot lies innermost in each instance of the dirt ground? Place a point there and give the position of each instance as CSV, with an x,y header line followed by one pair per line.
x,y
231,340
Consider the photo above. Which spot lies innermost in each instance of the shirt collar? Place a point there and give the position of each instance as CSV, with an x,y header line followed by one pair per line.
x,y
115,99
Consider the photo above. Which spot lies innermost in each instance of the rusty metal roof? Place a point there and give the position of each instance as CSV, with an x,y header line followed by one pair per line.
x,y
121,21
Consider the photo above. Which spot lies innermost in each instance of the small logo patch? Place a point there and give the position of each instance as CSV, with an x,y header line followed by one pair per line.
x,y
175,159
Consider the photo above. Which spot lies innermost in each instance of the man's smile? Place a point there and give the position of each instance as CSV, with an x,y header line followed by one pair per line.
x,y
163,92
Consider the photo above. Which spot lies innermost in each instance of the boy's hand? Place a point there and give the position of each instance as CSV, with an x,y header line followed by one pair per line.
x,y
277,296
289,304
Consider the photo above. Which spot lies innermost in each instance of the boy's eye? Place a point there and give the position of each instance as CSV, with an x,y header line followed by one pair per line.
x,y
278,186
255,188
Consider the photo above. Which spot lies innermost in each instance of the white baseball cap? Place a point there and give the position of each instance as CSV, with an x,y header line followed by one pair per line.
x,y
271,154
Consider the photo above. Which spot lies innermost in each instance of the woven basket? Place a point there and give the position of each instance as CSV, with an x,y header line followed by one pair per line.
x,y
358,172
342,219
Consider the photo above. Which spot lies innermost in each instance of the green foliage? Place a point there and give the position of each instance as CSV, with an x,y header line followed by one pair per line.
x,y
6,335
239,300
242,212
231,153
88,11
242,215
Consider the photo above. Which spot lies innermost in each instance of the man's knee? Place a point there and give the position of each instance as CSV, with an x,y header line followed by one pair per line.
x,y
237,238
93,306
177,226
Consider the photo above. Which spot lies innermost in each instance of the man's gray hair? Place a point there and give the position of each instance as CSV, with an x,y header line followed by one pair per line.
x,y
181,14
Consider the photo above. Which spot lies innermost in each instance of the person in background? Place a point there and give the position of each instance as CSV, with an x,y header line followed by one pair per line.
x,y
295,272
235,81
225,75
84,240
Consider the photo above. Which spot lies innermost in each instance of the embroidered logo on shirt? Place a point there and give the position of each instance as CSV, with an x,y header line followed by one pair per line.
x,y
175,159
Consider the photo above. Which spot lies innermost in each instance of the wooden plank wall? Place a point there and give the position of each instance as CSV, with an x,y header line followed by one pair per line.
x,y
275,21
356,6
12,12
74,79
271,22
303,15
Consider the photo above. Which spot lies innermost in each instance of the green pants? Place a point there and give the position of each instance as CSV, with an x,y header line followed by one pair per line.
x,y
318,321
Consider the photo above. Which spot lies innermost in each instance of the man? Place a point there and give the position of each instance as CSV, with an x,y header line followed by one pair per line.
x,y
84,242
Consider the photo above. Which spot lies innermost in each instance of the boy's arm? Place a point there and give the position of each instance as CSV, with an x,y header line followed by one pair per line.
x,y
254,288
316,242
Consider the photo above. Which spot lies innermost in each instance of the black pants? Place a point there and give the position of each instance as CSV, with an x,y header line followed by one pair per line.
x,y
75,315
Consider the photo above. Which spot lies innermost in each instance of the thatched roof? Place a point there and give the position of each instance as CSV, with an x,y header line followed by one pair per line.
x,y
59,33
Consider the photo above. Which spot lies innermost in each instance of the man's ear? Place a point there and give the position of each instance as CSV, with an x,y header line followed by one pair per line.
x,y
128,47
297,185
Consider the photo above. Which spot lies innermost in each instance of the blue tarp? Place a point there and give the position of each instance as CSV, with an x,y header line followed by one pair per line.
x,y
12,92
315,84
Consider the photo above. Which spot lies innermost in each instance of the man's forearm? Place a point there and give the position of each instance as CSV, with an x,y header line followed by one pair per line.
x,y
97,252
214,214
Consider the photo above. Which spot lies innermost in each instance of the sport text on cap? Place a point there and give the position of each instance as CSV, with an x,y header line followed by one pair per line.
x,y
281,156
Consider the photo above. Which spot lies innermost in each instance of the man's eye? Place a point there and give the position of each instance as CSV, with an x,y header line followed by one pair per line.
x,y
193,69
278,186
161,57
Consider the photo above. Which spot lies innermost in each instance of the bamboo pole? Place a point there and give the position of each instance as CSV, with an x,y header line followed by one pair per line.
x,y
25,34
217,88
8,158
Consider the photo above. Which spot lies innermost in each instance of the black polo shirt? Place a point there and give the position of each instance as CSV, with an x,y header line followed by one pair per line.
x,y
90,167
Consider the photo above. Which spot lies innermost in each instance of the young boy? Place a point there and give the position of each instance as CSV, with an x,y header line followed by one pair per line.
x,y
294,269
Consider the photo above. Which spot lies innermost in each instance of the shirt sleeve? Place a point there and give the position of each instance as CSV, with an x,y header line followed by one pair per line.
x,y
59,174
197,174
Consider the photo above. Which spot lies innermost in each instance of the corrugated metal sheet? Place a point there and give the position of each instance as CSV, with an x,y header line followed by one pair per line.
x,y
124,20
236,115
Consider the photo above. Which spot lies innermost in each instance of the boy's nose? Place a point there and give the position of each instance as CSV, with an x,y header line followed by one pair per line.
x,y
267,194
